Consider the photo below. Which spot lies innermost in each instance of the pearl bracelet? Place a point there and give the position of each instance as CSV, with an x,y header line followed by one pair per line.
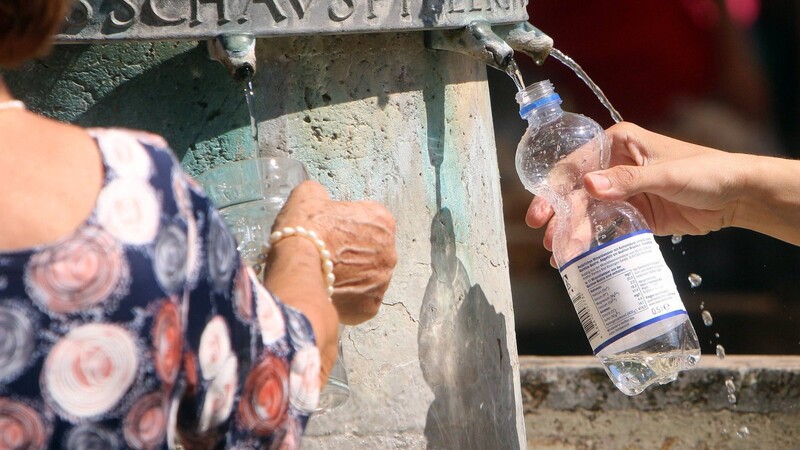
x,y
324,254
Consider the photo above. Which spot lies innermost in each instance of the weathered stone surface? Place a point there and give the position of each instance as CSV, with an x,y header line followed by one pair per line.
x,y
380,116
374,116
168,88
571,404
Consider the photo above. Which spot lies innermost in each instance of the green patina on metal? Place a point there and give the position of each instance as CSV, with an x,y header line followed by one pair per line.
x,y
168,88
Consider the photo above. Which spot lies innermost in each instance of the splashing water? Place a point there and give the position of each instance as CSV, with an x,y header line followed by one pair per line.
x,y
676,239
731,388
707,319
743,432
569,62
720,351
513,71
250,97
695,280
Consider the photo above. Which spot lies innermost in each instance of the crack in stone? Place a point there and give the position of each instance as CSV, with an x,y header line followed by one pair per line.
x,y
404,308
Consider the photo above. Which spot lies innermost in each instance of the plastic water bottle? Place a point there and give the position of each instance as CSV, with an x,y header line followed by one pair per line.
x,y
611,265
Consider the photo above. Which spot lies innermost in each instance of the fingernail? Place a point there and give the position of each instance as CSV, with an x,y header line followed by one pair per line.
x,y
600,182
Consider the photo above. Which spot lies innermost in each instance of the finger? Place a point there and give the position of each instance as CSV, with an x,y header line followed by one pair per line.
x,y
617,183
380,213
539,213
548,235
553,262
309,188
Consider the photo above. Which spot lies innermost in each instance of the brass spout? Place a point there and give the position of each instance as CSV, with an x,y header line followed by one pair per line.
x,y
476,40
526,38
237,52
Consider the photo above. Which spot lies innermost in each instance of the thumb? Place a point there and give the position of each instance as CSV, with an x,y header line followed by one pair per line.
x,y
616,183
310,188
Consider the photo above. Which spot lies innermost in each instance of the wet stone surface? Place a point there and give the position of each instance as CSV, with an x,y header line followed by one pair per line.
x,y
570,403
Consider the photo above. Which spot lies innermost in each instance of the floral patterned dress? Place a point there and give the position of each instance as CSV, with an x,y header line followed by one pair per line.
x,y
144,325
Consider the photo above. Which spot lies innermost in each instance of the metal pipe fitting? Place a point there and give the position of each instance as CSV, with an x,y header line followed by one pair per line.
x,y
526,38
237,52
476,40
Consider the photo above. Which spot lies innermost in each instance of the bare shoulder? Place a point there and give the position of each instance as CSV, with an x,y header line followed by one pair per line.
x,y
53,165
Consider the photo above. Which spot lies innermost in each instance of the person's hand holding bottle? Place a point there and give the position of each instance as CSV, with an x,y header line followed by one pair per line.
x,y
688,189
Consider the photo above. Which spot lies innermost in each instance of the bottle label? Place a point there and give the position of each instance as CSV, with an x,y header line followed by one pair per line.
x,y
620,287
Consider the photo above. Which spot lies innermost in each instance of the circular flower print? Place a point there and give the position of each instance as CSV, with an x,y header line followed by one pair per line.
x,y
218,402
270,318
145,426
124,154
181,191
193,251
90,437
300,332
167,342
90,369
17,342
222,255
129,209
264,402
304,381
288,438
20,426
243,294
77,274
215,347
151,139
170,258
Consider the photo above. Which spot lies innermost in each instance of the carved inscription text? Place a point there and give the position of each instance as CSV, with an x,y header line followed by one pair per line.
x,y
92,20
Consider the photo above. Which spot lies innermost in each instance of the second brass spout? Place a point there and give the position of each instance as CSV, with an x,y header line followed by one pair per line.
x,y
527,39
476,40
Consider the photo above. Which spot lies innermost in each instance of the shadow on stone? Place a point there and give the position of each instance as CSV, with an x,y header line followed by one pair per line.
x,y
462,350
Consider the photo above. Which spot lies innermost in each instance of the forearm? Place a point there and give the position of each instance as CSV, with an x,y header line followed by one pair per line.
x,y
770,197
294,275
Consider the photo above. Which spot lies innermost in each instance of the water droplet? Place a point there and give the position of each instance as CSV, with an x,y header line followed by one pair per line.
x,y
707,319
683,253
598,228
695,280
730,386
720,351
716,335
702,305
732,398
743,432
676,239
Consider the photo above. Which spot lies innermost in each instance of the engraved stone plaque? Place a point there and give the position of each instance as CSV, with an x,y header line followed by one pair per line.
x,y
112,20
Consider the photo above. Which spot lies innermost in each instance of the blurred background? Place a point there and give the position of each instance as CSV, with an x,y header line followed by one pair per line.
x,y
718,73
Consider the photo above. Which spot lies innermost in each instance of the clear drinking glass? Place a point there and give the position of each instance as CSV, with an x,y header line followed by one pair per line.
x,y
249,194
337,390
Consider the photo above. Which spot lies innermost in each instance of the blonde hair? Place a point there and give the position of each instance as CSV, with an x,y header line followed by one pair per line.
x,y
27,28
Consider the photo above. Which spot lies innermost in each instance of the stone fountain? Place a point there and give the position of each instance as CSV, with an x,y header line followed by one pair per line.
x,y
388,100
383,100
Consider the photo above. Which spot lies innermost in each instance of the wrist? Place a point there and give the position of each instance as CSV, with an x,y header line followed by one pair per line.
x,y
770,197
295,274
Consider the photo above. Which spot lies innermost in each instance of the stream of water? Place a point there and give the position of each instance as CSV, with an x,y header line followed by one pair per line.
x,y
569,62
250,97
